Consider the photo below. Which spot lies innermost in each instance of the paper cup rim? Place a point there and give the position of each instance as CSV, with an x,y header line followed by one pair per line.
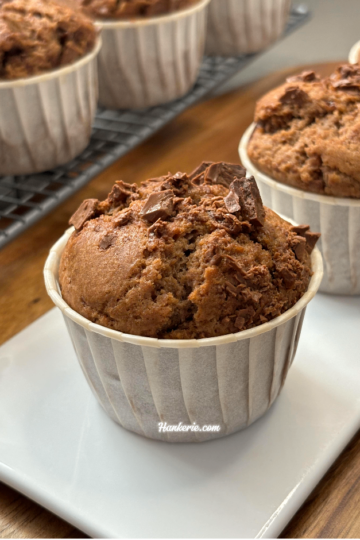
x,y
279,186
55,72
354,53
108,24
52,286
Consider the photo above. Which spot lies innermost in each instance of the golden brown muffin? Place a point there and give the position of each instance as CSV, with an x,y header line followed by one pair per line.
x,y
184,256
308,133
37,36
129,9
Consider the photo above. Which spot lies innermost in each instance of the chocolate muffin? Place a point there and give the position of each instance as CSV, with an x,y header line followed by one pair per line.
x,y
307,133
184,256
130,9
37,36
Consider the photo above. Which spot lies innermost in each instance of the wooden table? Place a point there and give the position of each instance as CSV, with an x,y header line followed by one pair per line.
x,y
210,131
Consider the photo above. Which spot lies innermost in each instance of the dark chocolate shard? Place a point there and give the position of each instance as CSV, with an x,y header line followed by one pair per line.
x,y
223,173
294,96
107,241
311,239
120,192
159,205
87,210
300,248
251,205
347,78
197,175
300,230
288,276
122,218
305,76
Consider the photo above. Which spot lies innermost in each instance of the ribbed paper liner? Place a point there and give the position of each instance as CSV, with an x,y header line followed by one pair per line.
x,y
229,381
244,26
45,121
152,61
337,219
354,55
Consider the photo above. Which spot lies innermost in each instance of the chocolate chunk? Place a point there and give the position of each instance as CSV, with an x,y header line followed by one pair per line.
x,y
294,96
300,229
305,76
252,208
87,210
300,248
232,202
122,218
347,78
288,277
159,205
197,175
107,241
223,173
347,85
120,192
311,239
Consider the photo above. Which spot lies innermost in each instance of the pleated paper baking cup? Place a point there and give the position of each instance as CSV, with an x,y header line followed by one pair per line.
x,y
228,381
244,26
151,61
337,219
45,121
354,55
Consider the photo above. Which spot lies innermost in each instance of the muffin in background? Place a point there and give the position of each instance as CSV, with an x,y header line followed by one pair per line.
x,y
151,51
238,27
303,151
48,84
307,133
354,54
179,258
132,9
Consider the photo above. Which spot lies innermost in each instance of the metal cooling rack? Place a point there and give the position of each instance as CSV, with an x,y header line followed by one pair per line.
x,y
26,199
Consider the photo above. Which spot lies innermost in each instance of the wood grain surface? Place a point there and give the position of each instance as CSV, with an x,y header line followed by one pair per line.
x,y
209,131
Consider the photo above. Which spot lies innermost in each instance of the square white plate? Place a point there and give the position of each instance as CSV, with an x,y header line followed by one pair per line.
x,y
58,447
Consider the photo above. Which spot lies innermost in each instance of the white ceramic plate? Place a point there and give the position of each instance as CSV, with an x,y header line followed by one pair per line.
x,y
58,447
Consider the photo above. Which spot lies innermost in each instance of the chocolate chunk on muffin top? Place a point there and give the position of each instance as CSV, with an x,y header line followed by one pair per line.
x,y
307,133
184,256
37,36
129,9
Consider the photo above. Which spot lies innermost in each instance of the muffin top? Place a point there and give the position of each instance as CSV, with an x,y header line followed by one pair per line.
x,y
37,36
308,133
184,256
130,9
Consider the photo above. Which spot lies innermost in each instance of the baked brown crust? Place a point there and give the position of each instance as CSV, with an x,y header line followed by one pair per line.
x,y
37,36
132,9
308,133
184,256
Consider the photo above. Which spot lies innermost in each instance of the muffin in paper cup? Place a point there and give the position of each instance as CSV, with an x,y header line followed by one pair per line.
x,y
45,120
152,61
337,219
354,55
244,26
228,381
